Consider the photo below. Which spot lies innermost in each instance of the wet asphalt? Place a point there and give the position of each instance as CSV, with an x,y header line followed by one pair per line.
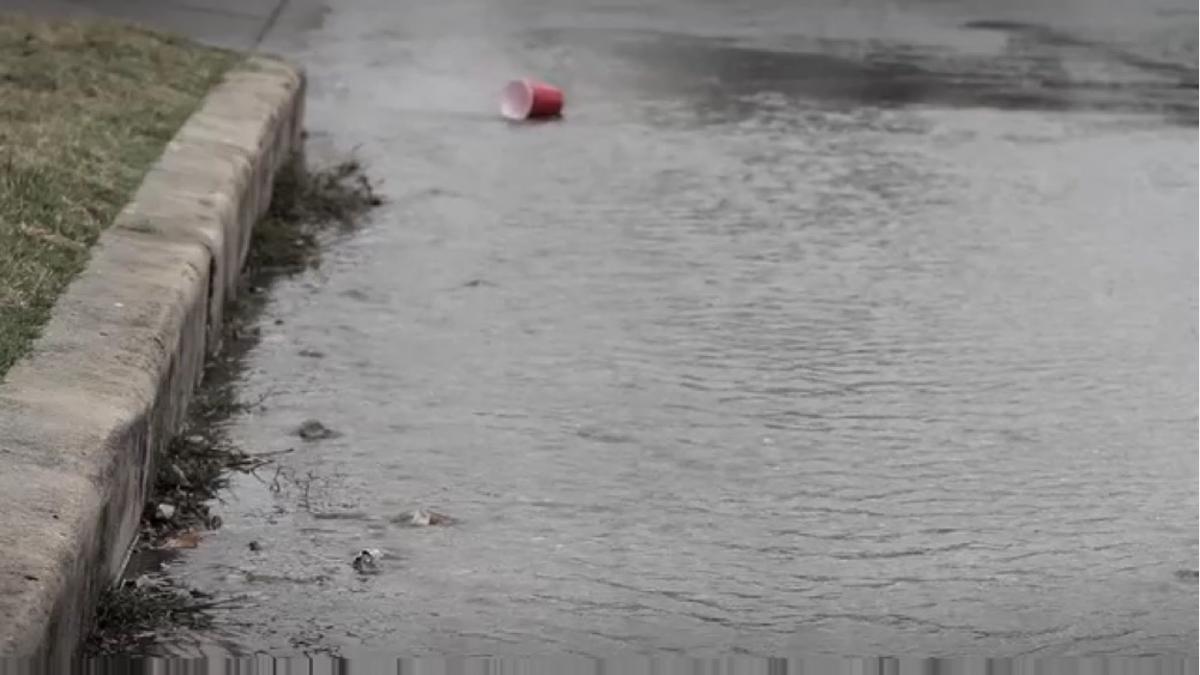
x,y
827,327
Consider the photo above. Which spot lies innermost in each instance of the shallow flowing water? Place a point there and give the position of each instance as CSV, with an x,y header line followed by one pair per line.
x,y
838,329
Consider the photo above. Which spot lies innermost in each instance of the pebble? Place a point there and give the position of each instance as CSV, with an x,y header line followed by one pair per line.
x,y
312,430
367,560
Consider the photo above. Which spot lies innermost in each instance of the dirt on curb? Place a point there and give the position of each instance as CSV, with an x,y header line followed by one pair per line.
x,y
147,606
86,107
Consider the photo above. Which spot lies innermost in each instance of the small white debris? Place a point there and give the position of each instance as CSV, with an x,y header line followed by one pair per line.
x,y
423,518
367,560
165,511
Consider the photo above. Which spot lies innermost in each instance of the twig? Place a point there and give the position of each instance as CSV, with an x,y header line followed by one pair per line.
x,y
270,453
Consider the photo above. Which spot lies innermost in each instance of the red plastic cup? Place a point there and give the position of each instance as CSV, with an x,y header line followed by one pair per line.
x,y
530,99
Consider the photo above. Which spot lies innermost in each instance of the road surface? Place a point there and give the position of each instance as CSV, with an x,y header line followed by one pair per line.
x,y
833,327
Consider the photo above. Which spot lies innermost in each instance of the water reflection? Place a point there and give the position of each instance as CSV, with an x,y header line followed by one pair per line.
x,y
725,77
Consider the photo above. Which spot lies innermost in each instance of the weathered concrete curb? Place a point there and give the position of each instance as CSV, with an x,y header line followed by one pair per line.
x,y
109,381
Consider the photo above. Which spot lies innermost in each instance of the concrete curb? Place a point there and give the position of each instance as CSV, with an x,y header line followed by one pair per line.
x,y
109,381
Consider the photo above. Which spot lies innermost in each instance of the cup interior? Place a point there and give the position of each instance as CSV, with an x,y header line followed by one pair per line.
x,y
516,100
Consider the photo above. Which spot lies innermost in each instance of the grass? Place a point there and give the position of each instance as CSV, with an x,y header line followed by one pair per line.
x,y
132,614
85,108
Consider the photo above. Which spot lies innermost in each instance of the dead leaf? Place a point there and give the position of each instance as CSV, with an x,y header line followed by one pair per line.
x,y
189,539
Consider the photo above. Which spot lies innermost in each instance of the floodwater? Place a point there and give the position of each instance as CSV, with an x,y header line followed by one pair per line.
x,y
846,328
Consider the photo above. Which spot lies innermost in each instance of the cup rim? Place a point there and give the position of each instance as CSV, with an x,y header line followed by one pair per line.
x,y
516,100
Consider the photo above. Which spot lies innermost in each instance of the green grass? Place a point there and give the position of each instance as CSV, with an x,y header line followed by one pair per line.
x,y
85,108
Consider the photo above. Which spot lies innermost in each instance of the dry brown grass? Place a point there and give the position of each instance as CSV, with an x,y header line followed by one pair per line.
x,y
85,109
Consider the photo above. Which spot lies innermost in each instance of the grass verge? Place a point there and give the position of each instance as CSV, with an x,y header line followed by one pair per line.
x,y
147,607
85,108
